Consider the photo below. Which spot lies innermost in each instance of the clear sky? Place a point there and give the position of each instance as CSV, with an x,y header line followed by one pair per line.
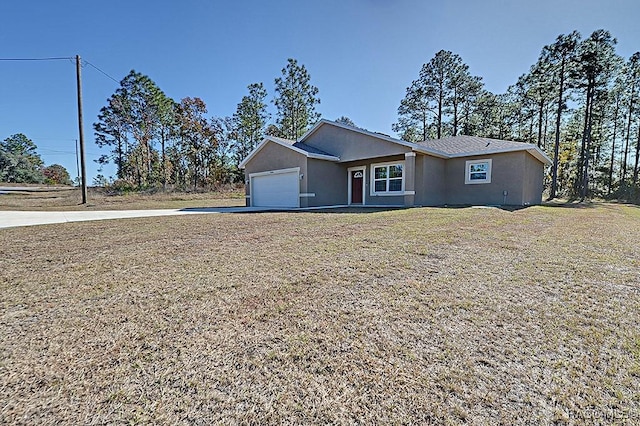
x,y
361,54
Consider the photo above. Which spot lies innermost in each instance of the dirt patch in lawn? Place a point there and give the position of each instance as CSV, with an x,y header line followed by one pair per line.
x,y
448,316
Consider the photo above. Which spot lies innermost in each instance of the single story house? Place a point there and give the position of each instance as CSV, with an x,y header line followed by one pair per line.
x,y
336,164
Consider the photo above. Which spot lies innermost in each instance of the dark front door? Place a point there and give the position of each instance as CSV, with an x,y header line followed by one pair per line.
x,y
357,180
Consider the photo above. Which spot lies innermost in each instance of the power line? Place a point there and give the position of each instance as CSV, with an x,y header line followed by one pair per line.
x,y
58,58
38,59
107,75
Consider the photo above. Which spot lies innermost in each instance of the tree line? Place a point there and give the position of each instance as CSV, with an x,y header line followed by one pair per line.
x,y
21,163
578,102
157,141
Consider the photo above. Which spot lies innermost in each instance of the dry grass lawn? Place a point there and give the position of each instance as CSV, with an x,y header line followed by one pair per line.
x,y
431,316
68,198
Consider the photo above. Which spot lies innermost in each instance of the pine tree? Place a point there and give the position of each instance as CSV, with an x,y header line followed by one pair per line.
x,y
197,139
249,121
631,76
296,99
137,116
444,89
111,130
596,60
561,56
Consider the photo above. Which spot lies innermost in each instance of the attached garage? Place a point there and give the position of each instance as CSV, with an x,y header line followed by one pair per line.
x,y
275,188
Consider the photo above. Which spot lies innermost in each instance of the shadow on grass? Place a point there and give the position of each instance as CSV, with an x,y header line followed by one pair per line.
x,y
589,204
245,210
343,210
506,208
337,209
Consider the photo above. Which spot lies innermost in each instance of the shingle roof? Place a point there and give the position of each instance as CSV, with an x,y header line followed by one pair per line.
x,y
458,146
300,145
303,146
465,145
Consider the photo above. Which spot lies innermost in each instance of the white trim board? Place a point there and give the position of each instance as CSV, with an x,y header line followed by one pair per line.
x,y
275,172
372,179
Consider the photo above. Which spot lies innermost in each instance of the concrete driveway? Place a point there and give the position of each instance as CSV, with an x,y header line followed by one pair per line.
x,y
9,219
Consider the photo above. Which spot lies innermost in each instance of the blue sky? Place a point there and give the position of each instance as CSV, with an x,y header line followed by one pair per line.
x,y
361,54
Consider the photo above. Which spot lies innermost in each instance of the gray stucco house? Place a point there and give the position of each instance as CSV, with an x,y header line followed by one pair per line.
x,y
335,164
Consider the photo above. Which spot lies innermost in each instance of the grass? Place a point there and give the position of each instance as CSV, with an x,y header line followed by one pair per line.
x,y
69,198
441,316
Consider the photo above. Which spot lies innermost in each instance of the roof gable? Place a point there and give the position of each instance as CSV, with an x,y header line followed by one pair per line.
x,y
298,147
356,136
453,147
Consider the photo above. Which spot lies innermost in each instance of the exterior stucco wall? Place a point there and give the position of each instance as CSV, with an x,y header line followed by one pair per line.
x,y
275,157
507,174
328,181
352,146
430,181
375,200
436,181
533,181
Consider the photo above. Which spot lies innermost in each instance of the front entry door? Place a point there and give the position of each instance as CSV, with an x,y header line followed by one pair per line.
x,y
357,182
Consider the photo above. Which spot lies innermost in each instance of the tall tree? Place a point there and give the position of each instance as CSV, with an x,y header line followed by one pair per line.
x,y
632,82
561,55
19,144
197,138
596,59
636,169
166,114
296,100
19,160
464,90
444,88
414,113
436,75
465,99
224,134
540,87
249,121
616,95
142,95
137,116
111,130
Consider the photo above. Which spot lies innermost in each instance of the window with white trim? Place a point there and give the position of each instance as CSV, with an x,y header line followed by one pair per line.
x,y
387,178
477,171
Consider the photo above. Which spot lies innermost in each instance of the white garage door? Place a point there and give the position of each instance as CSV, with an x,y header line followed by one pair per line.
x,y
276,189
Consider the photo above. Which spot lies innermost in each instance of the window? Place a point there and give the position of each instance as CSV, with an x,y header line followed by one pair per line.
x,y
387,179
478,171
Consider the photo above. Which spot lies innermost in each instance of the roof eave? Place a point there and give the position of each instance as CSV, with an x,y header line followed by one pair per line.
x,y
266,140
540,155
323,157
431,152
533,150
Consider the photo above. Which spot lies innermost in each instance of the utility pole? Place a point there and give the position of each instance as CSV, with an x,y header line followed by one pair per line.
x,y
80,130
77,163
